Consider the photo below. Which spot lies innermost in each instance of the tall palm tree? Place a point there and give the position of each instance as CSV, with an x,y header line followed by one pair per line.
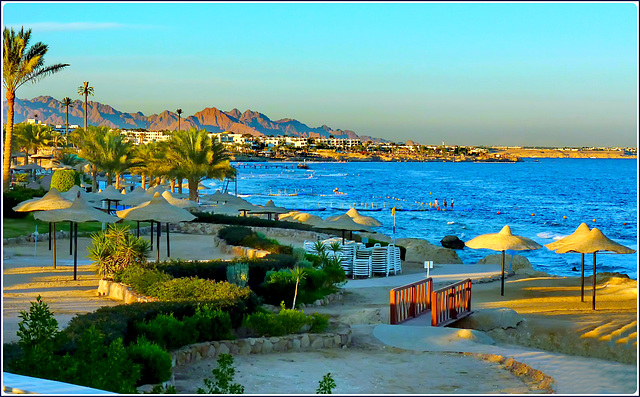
x,y
92,144
20,64
117,156
85,90
179,111
66,102
198,157
31,137
145,160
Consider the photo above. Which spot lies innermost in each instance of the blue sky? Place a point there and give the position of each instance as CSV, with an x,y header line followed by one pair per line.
x,y
466,73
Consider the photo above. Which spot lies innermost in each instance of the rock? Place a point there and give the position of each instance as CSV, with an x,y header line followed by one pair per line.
x,y
452,242
521,264
419,250
472,335
489,319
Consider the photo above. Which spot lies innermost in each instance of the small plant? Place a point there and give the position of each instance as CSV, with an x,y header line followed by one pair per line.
x,y
159,389
238,274
326,385
115,249
292,320
223,375
64,180
335,247
38,327
298,274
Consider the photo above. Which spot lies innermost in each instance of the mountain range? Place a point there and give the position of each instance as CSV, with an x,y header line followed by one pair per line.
x,y
51,111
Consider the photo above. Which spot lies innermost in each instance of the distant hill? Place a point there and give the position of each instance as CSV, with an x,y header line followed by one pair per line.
x,y
51,111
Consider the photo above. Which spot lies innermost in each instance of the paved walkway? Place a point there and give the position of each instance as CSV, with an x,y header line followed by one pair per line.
x,y
572,374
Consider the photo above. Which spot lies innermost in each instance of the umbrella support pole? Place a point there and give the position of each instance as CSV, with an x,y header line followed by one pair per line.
x,y
158,242
49,236
137,228
168,250
70,238
594,281
582,283
502,278
151,235
75,251
53,236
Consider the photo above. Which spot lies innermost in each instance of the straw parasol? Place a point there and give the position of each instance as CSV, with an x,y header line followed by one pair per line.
x,y
343,223
155,189
362,219
108,194
28,167
52,200
136,197
157,210
302,217
221,197
182,203
72,193
270,209
503,241
580,232
593,242
78,212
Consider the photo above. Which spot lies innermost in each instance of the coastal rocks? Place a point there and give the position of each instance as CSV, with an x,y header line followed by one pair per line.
x,y
489,319
520,265
452,242
419,250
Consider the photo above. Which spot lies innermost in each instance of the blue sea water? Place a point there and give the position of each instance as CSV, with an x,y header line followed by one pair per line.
x,y
532,197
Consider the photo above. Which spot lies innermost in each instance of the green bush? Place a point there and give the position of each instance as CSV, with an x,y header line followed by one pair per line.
x,y
64,180
115,248
223,293
141,279
291,320
155,362
222,382
16,195
319,322
210,324
278,286
234,235
264,324
167,331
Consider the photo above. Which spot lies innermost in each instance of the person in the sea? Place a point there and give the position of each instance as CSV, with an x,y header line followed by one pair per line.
x,y
444,203
436,204
452,203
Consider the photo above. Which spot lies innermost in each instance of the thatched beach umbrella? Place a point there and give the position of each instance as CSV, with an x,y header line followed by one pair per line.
x,y
28,167
270,209
108,194
52,200
502,241
302,217
136,197
593,242
157,210
78,212
219,197
182,203
362,219
233,208
580,232
343,223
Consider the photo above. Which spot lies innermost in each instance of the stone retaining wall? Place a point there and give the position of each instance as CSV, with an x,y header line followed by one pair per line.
x,y
121,292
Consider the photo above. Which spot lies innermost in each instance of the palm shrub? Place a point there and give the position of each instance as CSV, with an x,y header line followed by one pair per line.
x,y
63,180
115,248
154,361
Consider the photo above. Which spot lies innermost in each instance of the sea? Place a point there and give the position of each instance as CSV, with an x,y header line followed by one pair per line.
x,y
542,199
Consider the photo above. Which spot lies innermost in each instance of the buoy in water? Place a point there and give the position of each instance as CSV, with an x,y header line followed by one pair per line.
x,y
532,214
498,212
594,219
564,217
624,223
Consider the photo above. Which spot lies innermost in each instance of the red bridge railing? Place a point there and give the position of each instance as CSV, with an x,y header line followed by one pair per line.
x,y
410,300
451,303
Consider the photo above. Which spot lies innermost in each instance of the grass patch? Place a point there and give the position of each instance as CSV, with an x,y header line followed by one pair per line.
x,y
27,225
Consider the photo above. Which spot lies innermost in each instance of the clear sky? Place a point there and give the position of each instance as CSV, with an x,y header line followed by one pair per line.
x,y
463,73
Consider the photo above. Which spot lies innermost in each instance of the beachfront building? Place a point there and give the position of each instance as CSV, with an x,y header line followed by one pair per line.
x,y
296,141
345,143
143,137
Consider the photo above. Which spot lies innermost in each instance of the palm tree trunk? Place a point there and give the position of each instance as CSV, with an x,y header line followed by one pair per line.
x,y
26,157
143,179
85,108
193,189
118,181
295,295
94,178
66,134
180,186
6,160
173,185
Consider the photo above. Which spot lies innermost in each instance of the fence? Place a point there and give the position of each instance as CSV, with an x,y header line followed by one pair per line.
x,y
451,303
410,300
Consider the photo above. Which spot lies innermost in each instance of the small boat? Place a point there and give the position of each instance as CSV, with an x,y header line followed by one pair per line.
x,y
303,166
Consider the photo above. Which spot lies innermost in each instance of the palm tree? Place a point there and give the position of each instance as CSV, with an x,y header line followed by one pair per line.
x,y
20,64
85,90
66,102
179,111
31,137
299,274
145,157
116,156
92,143
198,157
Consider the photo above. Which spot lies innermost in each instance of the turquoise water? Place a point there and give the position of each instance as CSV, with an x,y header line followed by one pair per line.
x,y
532,197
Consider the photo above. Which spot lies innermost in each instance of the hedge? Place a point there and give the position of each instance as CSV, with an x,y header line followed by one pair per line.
x,y
16,195
63,180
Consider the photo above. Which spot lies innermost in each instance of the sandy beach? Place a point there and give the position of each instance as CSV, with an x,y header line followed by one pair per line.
x,y
552,321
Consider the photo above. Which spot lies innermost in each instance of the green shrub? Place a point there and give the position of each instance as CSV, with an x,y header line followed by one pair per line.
x,y
16,195
223,376
210,323
115,248
64,180
222,293
141,279
264,324
326,385
291,320
155,363
234,235
167,331
278,286
319,322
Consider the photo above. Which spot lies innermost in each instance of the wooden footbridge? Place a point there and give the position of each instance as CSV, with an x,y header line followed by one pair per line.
x,y
447,305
